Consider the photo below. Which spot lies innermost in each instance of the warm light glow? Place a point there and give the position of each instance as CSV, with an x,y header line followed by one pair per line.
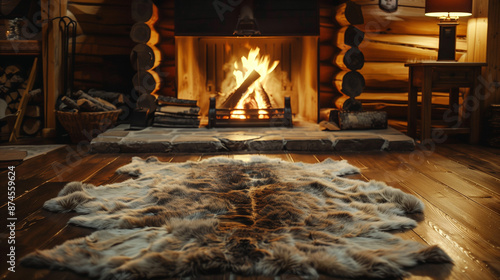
x,y
255,97
446,15
448,8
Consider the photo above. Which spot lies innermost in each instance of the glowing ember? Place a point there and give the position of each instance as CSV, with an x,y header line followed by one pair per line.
x,y
255,97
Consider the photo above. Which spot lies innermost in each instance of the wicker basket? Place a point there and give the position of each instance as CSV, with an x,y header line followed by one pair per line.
x,y
83,126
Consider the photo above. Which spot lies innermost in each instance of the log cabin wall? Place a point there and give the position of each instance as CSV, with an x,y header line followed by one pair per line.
x,y
391,39
166,28
339,55
492,73
103,44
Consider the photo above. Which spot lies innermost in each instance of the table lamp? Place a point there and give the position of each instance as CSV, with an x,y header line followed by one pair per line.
x,y
448,12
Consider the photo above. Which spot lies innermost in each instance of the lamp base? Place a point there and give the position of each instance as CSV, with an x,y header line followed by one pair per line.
x,y
447,40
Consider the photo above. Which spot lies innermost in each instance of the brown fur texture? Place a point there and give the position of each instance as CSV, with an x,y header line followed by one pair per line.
x,y
261,217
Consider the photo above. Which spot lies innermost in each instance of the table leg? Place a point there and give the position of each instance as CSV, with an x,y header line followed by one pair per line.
x,y
412,106
412,112
475,122
453,118
425,131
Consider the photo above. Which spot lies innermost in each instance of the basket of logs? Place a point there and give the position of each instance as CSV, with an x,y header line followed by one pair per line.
x,y
84,117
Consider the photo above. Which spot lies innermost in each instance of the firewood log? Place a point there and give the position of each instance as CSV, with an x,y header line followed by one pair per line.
x,y
106,106
4,90
70,103
350,83
236,95
13,107
31,126
33,111
12,97
36,96
87,105
115,97
350,59
12,70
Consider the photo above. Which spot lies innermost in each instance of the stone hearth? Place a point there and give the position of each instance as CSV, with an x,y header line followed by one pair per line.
x,y
301,138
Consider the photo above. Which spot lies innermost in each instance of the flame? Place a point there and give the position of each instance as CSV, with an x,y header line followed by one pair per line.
x,y
255,96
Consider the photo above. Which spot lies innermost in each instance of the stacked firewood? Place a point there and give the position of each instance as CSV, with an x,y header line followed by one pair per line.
x,y
93,101
13,82
173,112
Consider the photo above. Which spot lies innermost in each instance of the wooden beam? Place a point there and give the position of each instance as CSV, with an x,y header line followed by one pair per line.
x,y
52,60
492,72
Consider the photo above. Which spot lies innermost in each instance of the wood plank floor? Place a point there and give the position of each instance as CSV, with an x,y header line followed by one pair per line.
x,y
459,184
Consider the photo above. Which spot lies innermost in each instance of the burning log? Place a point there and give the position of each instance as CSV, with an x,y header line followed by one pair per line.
x,y
236,95
265,97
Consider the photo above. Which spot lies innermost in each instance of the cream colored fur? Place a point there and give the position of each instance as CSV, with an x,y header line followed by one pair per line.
x,y
262,217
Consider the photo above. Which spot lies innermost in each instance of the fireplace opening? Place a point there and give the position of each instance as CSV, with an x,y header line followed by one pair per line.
x,y
250,78
254,63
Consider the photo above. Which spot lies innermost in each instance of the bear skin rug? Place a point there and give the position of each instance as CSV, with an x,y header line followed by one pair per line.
x,y
257,217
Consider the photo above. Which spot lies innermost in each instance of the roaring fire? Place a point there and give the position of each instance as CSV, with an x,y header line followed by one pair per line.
x,y
255,97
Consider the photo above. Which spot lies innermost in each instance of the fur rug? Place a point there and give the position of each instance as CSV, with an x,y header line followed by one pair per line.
x,y
262,217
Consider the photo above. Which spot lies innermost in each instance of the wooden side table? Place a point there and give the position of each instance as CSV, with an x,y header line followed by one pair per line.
x,y
429,75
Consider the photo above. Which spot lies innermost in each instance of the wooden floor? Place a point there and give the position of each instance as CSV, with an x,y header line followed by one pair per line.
x,y
459,184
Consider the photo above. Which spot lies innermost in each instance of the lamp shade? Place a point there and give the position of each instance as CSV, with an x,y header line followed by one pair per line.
x,y
443,8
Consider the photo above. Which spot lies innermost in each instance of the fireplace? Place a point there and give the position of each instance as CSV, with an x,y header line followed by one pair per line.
x,y
248,63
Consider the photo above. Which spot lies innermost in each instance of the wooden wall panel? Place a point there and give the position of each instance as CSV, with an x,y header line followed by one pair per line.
x,y
385,76
408,19
51,54
103,44
166,28
492,73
